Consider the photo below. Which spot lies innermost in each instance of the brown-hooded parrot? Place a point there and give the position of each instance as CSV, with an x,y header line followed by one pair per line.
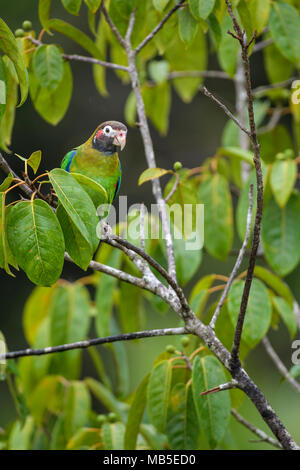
x,y
98,157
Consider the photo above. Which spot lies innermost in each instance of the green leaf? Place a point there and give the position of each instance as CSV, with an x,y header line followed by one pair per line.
x,y
85,438
159,70
9,46
157,101
213,409
99,72
34,160
160,5
278,68
259,11
181,57
277,284
104,295
72,6
182,426
287,314
36,240
188,26
52,105
152,173
93,5
95,190
280,234
69,312
200,293
77,204
46,396
278,140
48,66
7,121
158,394
76,35
135,415
77,407
130,303
295,371
3,88
201,9
214,193
35,311
285,30
113,436
283,178
106,398
6,183
187,260
258,313
237,152
44,13
6,256
229,47
20,436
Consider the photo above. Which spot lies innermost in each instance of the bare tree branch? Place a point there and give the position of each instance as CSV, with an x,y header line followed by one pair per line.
x,y
279,364
158,27
261,434
273,86
94,342
237,263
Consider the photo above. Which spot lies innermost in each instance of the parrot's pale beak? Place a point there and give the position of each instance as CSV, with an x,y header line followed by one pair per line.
x,y
120,139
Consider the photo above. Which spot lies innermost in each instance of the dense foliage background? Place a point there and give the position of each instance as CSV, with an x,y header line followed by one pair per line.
x,y
189,128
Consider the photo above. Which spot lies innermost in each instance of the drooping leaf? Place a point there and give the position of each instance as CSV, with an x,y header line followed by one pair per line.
x,y
278,68
285,29
36,240
72,6
9,46
283,178
214,193
85,438
135,415
6,256
159,70
188,26
258,313
93,5
259,11
157,101
77,406
213,409
48,66
3,88
77,204
35,311
7,121
229,47
158,394
287,314
52,105
182,425
34,160
113,436
201,8
69,313
20,436
277,284
280,234
237,152
44,13
160,5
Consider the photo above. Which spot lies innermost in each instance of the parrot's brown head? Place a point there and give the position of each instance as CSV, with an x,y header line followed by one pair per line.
x,y
109,136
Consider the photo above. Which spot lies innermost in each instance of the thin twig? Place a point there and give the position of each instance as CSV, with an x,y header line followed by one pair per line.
x,y
274,120
210,95
158,27
262,44
114,29
238,261
174,187
273,86
227,386
94,342
261,434
279,364
198,73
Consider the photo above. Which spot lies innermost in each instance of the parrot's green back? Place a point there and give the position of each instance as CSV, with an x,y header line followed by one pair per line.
x,y
88,161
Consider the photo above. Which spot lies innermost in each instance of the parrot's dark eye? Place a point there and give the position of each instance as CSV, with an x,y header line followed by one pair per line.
x,y
107,130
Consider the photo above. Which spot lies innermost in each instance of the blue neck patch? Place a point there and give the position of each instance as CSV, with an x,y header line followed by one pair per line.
x,y
72,155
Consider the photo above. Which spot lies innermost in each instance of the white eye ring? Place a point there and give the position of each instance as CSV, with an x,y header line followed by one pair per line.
x,y
108,130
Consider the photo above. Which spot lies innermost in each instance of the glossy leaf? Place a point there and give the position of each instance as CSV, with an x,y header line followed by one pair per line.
x,y
48,66
9,46
280,234
52,105
258,313
285,29
36,240
287,314
214,193
135,415
283,178
77,204
182,426
213,409
113,436
158,394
